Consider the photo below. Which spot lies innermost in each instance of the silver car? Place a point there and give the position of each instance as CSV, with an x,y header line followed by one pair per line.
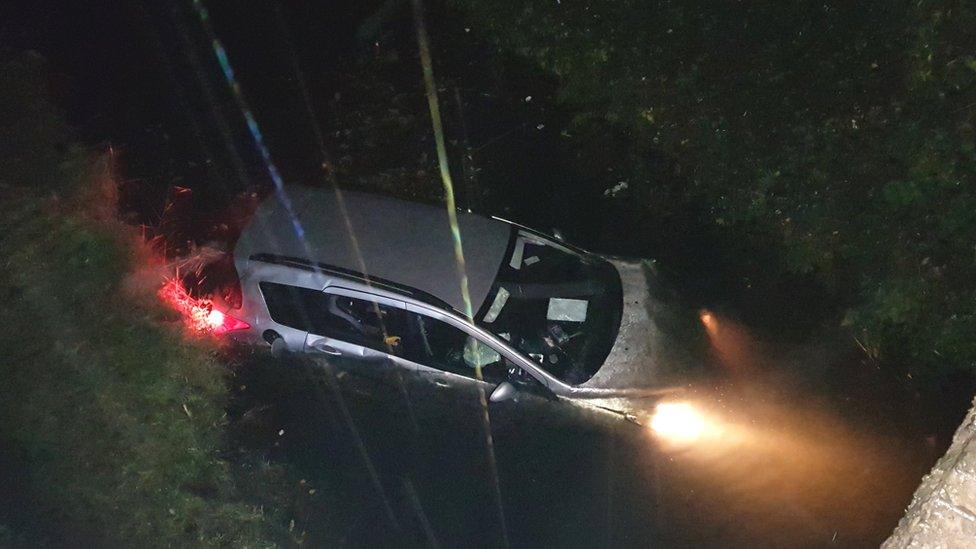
x,y
377,279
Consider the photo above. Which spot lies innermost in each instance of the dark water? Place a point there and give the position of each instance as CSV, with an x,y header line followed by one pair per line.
x,y
395,460
557,471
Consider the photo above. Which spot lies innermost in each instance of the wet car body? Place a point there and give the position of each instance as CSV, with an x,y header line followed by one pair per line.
x,y
375,281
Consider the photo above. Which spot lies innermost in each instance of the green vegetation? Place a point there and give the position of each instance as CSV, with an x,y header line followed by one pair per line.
x,y
118,420
840,134
110,421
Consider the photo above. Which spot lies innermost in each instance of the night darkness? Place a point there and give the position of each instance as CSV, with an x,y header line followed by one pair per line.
x,y
802,176
142,77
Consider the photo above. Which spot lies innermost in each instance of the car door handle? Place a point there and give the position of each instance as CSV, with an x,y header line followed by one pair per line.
x,y
326,348
441,384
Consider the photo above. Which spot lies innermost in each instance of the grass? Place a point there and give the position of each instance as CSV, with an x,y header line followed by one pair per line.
x,y
113,420
113,424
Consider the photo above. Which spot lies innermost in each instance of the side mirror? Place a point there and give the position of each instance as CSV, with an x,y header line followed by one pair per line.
x,y
504,391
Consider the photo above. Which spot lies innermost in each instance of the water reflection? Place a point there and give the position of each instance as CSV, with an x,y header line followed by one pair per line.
x,y
766,465
784,471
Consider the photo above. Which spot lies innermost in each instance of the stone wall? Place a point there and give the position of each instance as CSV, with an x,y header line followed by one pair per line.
x,y
943,510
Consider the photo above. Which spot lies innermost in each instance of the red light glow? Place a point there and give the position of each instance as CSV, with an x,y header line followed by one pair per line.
x,y
198,314
215,319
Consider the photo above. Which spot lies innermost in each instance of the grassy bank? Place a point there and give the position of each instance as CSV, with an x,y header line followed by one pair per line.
x,y
111,422
112,419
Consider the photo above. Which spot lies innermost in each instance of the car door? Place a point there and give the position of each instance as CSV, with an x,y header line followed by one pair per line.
x,y
445,352
352,324
359,335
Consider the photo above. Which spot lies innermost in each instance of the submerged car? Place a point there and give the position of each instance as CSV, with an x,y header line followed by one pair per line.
x,y
373,278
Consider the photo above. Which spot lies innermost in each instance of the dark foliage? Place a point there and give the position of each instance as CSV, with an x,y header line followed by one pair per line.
x,y
839,134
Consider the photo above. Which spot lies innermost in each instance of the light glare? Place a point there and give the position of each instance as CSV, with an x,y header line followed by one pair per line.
x,y
677,422
708,320
215,319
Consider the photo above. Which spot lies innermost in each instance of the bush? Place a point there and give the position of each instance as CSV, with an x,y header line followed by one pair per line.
x,y
841,134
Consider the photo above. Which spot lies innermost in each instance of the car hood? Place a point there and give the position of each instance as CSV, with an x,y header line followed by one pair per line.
x,y
631,380
631,362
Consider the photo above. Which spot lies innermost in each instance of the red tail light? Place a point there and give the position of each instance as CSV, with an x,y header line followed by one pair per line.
x,y
199,314
222,323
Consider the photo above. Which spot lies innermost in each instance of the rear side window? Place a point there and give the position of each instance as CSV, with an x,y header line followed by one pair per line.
x,y
290,305
357,321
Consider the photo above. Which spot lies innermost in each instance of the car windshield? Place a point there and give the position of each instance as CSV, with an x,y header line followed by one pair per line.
x,y
559,307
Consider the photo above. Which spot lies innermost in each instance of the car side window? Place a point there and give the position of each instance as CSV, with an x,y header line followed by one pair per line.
x,y
363,322
353,320
289,305
443,346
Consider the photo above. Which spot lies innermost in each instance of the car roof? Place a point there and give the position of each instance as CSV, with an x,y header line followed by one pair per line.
x,y
383,238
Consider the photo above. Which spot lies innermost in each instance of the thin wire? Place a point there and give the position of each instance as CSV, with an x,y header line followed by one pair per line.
x,y
252,125
435,117
421,515
165,58
358,440
328,171
423,43
228,141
